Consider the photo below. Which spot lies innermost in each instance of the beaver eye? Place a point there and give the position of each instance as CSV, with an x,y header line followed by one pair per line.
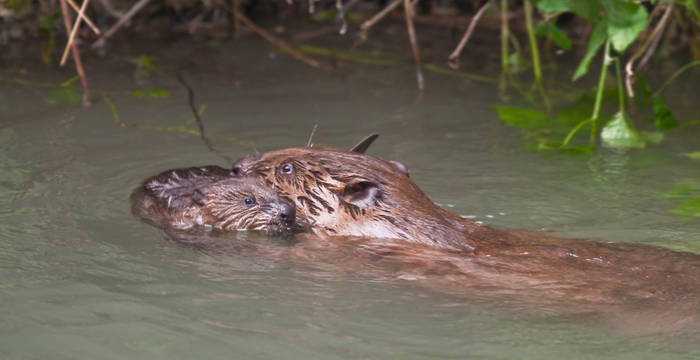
x,y
287,169
249,201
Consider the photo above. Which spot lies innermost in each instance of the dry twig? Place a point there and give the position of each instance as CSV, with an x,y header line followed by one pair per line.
x,y
414,43
375,19
76,54
271,38
453,59
89,22
74,31
652,39
123,20
200,123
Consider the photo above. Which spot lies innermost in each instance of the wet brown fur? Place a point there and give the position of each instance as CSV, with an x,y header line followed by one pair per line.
x,y
374,205
209,198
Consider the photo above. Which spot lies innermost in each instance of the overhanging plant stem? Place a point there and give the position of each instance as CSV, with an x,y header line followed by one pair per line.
x,y
599,92
504,35
533,42
598,99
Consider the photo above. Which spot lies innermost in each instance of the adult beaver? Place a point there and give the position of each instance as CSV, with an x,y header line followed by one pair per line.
x,y
209,197
373,203
352,194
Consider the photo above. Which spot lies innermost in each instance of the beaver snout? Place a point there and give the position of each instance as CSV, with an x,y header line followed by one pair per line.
x,y
286,211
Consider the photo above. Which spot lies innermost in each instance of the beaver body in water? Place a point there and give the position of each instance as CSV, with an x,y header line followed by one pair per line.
x,y
374,204
208,197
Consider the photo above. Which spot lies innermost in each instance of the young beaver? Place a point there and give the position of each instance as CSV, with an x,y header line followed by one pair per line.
x,y
209,198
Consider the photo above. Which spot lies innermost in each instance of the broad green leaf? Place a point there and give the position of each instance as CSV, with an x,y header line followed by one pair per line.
x,y
618,133
156,93
678,191
626,19
527,119
663,118
693,155
596,40
688,208
587,9
551,31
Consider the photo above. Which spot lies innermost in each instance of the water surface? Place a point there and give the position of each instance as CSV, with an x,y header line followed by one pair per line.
x,y
81,278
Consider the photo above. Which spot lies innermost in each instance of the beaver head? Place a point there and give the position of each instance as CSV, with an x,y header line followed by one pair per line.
x,y
208,197
348,193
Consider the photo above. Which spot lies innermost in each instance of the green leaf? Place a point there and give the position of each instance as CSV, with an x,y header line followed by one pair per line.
x,y
587,9
156,93
551,31
688,208
626,19
527,119
596,40
618,133
663,118
678,191
693,155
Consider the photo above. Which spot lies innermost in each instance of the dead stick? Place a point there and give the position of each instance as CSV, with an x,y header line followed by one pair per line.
x,y
655,34
362,37
200,123
123,20
414,43
74,31
76,56
271,38
381,14
657,38
89,22
453,59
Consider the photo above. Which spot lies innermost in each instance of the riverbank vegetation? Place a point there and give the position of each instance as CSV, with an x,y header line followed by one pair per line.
x,y
619,46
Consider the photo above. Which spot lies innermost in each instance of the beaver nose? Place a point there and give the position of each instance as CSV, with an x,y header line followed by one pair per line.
x,y
287,212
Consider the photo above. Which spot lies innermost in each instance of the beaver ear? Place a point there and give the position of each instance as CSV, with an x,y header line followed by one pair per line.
x,y
401,167
361,192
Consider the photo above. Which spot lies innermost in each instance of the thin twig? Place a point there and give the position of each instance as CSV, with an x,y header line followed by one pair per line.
x,y
652,48
123,20
200,123
653,39
453,59
110,10
89,22
414,43
311,137
271,38
367,25
74,31
380,15
76,56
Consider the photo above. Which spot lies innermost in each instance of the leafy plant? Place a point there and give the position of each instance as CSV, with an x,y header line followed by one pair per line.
x,y
616,24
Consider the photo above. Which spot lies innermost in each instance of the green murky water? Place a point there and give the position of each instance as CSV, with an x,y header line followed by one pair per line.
x,y
81,278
